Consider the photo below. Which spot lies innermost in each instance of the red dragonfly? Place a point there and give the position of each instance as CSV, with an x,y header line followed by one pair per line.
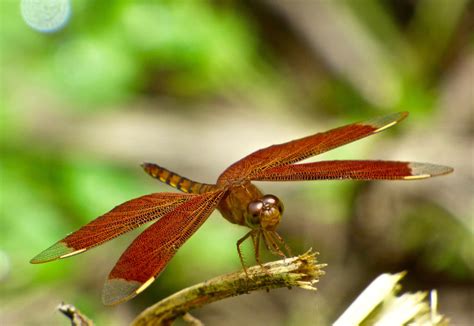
x,y
234,195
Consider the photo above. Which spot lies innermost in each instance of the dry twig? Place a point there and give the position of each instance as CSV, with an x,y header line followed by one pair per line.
x,y
77,318
301,271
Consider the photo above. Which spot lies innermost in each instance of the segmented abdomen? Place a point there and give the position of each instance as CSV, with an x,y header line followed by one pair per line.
x,y
175,180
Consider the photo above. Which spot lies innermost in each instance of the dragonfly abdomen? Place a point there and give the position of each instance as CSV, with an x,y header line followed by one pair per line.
x,y
175,180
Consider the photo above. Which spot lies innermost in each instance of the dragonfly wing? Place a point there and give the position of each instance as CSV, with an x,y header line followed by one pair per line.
x,y
119,220
358,170
300,149
149,253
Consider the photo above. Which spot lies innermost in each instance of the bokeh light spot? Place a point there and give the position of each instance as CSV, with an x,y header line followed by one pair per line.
x,y
46,15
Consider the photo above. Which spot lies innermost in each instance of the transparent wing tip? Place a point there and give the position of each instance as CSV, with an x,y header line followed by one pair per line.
x,y
118,290
427,170
56,251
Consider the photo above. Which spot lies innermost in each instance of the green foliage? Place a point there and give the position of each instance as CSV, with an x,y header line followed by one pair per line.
x,y
113,55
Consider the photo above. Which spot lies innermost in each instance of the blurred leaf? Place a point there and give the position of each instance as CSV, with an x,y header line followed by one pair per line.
x,y
445,251
94,69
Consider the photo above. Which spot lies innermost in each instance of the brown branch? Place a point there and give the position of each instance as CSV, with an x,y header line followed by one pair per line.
x,y
77,318
301,271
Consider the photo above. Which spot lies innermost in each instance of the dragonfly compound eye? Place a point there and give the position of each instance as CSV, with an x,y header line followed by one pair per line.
x,y
272,201
270,213
254,210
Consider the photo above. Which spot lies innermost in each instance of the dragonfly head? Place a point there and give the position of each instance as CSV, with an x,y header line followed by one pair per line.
x,y
264,212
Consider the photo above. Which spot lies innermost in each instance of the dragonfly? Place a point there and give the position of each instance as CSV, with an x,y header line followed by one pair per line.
x,y
179,215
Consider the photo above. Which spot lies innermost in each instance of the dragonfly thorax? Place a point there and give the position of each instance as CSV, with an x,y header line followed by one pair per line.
x,y
264,212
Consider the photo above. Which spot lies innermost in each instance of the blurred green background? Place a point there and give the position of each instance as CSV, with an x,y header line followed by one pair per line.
x,y
195,86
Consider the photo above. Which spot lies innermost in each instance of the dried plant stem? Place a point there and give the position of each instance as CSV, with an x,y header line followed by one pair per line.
x,y
301,271
380,304
77,318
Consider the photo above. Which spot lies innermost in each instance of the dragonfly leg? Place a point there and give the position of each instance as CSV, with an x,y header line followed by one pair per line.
x,y
271,244
239,242
282,241
256,246
256,243
265,241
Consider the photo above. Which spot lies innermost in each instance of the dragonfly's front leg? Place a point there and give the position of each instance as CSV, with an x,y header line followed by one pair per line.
x,y
256,243
239,242
271,244
280,239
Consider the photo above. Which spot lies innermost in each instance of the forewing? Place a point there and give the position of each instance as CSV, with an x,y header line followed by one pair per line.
x,y
119,220
300,149
148,255
359,170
